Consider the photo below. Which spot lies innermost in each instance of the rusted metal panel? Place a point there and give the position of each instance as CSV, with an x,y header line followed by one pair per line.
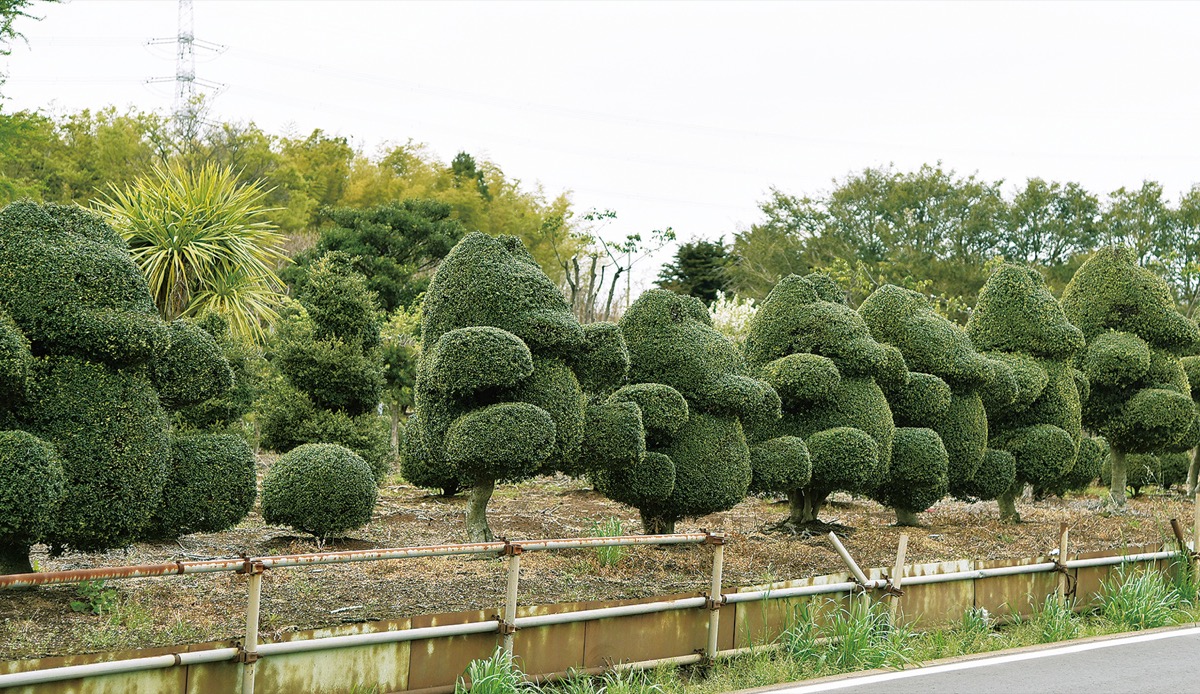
x,y
1089,580
436,662
761,622
553,648
213,678
646,636
384,666
935,603
162,681
1020,595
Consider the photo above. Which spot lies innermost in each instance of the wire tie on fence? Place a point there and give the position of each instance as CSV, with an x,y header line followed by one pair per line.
x,y
889,587
1060,566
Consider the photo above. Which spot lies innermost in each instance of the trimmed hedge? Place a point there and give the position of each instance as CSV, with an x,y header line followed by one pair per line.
x,y
319,488
192,369
1028,331
31,488
918,476
691,387
68,281
15,360
210,486
111,435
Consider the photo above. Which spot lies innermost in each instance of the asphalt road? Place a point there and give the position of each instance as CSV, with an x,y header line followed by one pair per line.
x,y
1165,662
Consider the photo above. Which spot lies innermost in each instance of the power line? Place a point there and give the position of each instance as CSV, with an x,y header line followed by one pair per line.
x,y
186,109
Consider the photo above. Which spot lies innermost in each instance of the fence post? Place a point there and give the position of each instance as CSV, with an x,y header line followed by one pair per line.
x,y
249,653
508,626
1063,538
859,577
898,575
1196,540
715,597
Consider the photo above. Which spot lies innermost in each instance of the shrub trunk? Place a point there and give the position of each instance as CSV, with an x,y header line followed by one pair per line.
x,y
1008,503
478,529
657,525
1116,487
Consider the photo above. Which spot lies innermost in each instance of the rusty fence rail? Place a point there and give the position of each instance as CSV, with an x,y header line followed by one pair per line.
x,y
250,651
506,625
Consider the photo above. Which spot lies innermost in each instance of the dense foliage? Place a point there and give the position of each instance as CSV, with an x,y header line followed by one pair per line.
x,y
319,488
1140,398
1019,322
211,485
91,366
827,368
327,354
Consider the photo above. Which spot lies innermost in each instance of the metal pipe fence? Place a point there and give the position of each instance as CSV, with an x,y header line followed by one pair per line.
x,y
250,651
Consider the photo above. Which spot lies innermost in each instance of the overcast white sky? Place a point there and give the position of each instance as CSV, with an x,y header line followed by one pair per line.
x,y
677,114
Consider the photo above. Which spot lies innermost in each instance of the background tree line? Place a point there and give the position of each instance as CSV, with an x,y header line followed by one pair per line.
x,y
939,232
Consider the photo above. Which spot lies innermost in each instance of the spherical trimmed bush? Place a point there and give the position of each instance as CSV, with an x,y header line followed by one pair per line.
x,y
995,475
31,487
192,369
780,463
319,488
210,486
664,410
918,476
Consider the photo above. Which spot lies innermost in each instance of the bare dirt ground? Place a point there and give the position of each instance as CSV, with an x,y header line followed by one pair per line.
x,y
179,609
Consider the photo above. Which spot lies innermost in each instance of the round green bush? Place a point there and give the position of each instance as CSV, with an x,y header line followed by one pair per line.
x,y
506,441
320,489
924,399
648,480
604,364
31,487
780,463
664,410
472,359
225,412
335,374
918,476
1093,452
192,369
995,475
210,486
419,467
615,442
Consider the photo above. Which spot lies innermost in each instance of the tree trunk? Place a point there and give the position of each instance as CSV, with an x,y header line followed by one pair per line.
x,y
657,525
907,518
1116,487
477,501
14,559
803,506
1192,472
1008,503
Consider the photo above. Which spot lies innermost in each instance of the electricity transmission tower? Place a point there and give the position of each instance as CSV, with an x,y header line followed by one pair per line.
x,y
186,110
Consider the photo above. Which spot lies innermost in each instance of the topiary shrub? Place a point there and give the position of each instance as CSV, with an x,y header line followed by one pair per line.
x,y
31,487
1144,469
690,385
210,486
944,393
332,370
1191,367
497,395
227,412
1019,322
1140,398
820,356
319,488
105,366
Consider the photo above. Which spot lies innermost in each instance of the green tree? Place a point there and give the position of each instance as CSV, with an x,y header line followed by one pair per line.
x,y
401,350
1139,219
203,243
395,246
700,269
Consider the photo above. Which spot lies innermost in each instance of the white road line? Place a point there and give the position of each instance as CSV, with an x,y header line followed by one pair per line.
x,y
982,662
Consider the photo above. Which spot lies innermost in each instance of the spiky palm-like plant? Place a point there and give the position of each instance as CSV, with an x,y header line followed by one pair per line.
x,y
204,242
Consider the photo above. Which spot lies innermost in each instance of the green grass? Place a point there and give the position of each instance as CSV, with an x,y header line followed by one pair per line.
x,y
853,636
610,527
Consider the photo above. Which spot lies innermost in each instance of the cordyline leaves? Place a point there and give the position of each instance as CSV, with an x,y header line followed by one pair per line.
x,y
203,242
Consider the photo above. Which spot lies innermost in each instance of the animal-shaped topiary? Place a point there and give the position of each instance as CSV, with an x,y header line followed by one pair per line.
x,y
944,393
690,384
497,393
1019,322
820,356
1140,399
88,366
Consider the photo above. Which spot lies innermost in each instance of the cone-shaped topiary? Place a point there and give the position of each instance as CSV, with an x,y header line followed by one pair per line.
x,y
1140,399
820,356
329,357
1019,322
498,394
210,487
106,363
943,393
691,387
319,488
